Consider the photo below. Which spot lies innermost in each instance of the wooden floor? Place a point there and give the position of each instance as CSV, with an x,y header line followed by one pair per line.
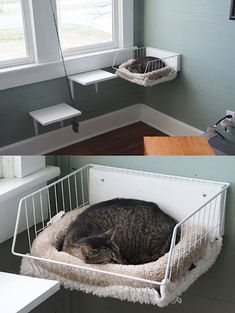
x,y
124,141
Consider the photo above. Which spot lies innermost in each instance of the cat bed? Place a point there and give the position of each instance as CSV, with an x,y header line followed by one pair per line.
x,y
147,79
46,246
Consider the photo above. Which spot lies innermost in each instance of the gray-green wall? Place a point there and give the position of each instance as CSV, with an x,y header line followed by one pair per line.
x,y
214,291
139,22
201,31
16,103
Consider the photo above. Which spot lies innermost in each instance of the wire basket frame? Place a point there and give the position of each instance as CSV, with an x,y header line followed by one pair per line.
x,y
41,208
209,223
139,53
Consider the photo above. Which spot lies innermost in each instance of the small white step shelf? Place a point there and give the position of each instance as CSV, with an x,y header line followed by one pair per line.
x,y
53,114
90,78
23,294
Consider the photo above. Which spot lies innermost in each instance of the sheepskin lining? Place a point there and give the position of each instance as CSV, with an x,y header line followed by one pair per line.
x,y
147,79
45,246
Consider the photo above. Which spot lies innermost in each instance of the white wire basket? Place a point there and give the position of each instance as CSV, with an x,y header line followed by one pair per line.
x,y
165,67
192,202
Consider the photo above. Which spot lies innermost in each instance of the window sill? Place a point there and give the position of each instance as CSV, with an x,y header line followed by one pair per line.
x,y
10,187
34,73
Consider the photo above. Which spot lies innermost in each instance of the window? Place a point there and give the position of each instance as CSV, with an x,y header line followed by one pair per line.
x,y
28,36
87,24
14,40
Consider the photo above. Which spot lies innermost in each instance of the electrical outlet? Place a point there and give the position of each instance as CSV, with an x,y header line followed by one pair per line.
x,y
228,112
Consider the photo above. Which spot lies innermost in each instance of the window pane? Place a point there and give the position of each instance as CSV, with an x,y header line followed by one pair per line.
x,y
85,22
12,37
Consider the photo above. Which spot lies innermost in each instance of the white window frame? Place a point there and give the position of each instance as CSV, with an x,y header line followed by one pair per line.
x,y
28,36
47,58
114,44
20,166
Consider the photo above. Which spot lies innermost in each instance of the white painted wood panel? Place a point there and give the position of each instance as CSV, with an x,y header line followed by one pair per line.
x,y
177,196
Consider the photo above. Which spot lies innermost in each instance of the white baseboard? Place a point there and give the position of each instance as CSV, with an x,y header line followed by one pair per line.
x,y
166,123
58,139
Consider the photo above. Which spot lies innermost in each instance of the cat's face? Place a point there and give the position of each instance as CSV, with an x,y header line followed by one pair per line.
x,y
95,252
99,249
135,68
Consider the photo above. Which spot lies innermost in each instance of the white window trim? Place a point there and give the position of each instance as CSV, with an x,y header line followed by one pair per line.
x,y
28,36
20,166
48,61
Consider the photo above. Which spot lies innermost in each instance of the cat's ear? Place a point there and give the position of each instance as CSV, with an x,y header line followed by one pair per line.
x,y
109,234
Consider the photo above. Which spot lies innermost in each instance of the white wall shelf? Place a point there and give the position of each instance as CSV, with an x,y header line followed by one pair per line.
x,y
53,114
23,294
90,78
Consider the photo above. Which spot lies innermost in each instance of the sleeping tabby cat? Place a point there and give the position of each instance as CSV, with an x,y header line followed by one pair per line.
x,y
143,65
123,231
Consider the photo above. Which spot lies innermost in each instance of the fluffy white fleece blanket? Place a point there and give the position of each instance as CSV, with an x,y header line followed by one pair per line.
x,y
147,79
103,285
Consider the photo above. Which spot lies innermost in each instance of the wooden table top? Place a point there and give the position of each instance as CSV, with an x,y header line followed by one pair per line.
x,y
194,145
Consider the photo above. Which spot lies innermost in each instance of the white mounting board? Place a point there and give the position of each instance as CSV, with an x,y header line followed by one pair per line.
x,y
159,53
55,113
22,294
92,77
177,196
